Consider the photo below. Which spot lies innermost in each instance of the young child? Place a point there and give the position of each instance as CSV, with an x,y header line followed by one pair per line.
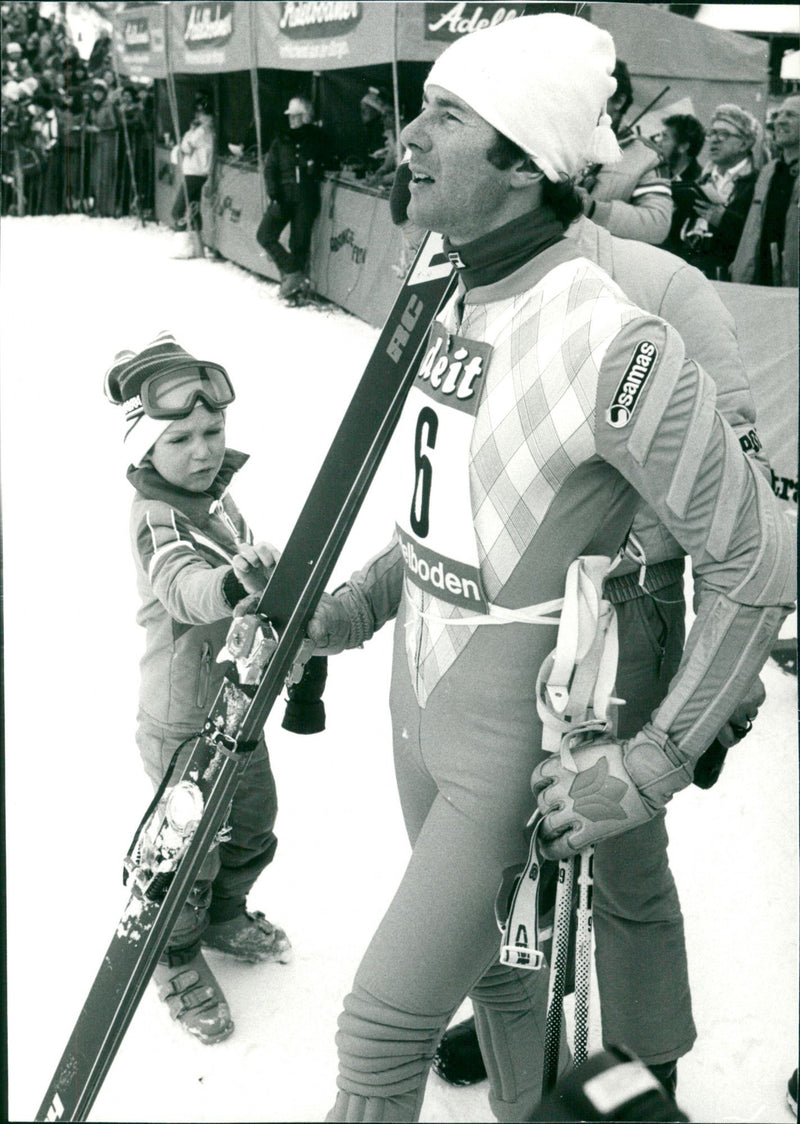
x,y
195,560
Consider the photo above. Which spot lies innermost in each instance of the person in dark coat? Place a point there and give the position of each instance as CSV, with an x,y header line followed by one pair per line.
x,y
293,170
73,139
102,125
723,192
681,143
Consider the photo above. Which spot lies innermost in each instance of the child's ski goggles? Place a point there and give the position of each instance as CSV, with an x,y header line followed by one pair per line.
x,y
176,392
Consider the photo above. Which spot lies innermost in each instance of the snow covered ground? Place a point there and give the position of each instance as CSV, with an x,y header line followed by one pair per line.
x,y
74,291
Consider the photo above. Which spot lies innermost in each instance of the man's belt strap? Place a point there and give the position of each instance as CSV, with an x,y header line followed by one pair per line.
x,y
626,587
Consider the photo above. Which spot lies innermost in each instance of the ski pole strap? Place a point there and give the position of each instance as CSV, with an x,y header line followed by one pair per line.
x,y
517,910
574,684
557,982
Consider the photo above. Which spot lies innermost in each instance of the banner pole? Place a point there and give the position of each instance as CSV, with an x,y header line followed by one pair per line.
x,y
395,88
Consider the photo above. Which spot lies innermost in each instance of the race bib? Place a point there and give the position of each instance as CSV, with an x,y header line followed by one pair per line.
x,y
436,530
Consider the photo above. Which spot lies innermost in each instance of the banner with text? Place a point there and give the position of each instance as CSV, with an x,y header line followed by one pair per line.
x,y
139,42
324,36
210,37
424,30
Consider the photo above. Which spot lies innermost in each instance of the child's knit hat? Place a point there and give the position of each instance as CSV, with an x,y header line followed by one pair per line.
x,y
543,81
123,384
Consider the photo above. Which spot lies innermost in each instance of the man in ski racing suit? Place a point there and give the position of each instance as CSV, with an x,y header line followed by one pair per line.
x,y
642,968
546,408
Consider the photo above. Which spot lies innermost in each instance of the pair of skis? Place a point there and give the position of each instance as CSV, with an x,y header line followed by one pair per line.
x,y
175,839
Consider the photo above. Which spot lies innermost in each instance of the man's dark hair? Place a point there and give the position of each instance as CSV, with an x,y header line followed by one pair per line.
x,y
623,95
562,198
687,130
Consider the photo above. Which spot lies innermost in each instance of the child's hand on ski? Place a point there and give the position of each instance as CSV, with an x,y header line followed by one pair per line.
x,y
253,565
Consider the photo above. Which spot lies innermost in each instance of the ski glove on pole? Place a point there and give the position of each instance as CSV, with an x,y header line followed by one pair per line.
x,y
605,787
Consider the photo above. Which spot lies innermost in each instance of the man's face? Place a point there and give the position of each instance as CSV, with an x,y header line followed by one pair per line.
x,y
454,188
668,145
725,146
787,124
296,120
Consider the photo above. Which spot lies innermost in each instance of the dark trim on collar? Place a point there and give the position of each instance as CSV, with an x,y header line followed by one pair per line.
x,y
502,251
524,278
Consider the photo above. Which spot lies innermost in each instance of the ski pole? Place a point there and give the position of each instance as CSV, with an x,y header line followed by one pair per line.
x,y
562,927
583,955
558,973
626,130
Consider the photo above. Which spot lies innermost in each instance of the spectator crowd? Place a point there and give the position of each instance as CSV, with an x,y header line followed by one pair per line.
x,y
75,136
734,217
722,195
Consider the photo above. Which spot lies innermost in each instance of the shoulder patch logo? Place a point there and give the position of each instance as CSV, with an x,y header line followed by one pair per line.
x,y
626,396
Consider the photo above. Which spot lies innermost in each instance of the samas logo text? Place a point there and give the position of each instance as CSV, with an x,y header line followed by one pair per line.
x,y
627,393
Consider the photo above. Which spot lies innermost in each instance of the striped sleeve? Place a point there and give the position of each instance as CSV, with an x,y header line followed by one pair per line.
x,y
184,569
657,423
646,217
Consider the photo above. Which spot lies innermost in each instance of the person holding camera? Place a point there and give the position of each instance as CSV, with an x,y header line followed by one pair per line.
x,y
722,195
630,198
680,143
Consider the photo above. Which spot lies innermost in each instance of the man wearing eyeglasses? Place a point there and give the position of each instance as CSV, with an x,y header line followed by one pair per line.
x,y
723,193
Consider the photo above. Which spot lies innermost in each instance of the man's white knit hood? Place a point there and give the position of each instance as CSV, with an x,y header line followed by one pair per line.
x,y
542,81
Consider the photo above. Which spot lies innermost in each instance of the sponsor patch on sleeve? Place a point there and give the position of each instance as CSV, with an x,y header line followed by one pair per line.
x,y
627,394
